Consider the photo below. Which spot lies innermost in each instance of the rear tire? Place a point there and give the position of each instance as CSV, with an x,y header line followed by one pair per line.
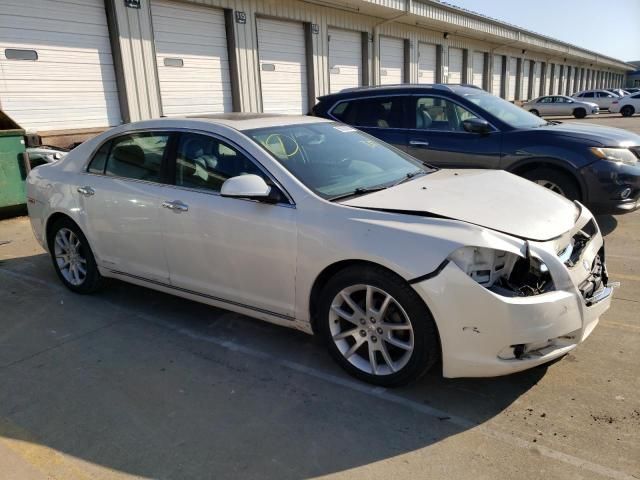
x,y
555,180
376,326
535,112
579,113
627,111
72,257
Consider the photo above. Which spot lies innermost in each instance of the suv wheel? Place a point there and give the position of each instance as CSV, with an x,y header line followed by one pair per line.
x,y
377,327
72,257
627,111
556,181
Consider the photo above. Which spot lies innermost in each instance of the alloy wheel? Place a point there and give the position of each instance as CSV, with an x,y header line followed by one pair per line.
x,y
551,186
371,329
70,257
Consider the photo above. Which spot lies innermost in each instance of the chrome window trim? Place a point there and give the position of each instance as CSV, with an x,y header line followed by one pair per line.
x,y
171,131
330,114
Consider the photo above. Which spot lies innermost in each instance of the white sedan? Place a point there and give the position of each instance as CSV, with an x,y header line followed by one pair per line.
x,y
314,225
560,105
626,106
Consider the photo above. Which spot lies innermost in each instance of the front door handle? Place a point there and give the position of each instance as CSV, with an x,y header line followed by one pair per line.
x,y
418,143
177,206
86,191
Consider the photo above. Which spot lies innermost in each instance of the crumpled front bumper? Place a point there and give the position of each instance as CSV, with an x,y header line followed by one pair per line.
x,y
486,334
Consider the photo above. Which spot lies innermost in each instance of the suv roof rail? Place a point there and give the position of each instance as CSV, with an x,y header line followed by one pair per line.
x,y
439,86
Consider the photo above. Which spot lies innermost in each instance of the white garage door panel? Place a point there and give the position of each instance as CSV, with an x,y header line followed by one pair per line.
x,y
513,67
455,65
391,61
72,84
526,71
478,69
281,45
197,36
427,63
536,80
345,59
496,75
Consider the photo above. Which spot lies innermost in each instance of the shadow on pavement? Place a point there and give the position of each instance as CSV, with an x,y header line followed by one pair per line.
x,y
157,386
606,223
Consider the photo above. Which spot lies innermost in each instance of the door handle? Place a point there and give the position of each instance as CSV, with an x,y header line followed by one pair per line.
x,y
177,206
418,143
86,191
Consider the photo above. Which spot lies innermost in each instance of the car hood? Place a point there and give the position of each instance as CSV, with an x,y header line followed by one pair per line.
x,y
493,199
605,136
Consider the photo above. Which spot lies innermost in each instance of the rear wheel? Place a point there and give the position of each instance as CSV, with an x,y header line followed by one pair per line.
x,y
627,111
535,112
556,181
72,257
579,113
377,327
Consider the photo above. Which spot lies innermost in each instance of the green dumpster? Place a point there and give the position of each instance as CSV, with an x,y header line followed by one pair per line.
x,y
12,167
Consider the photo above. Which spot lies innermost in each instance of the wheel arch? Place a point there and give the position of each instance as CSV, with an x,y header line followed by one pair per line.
x,y
52,219
525,166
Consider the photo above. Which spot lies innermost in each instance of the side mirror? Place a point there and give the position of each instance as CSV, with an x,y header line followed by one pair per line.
x,y
476,125
252,187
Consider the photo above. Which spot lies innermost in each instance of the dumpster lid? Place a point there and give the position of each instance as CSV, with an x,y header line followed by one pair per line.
x,y
8,126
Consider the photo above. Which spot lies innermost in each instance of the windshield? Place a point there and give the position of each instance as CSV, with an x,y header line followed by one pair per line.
x,y
510,114
335,160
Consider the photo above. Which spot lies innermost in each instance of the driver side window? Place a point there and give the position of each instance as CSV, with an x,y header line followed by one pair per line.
x,y
435,113
205,162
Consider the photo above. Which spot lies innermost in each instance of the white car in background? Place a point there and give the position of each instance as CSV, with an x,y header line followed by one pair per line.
x,y
602,98
560,105
314,225
627,106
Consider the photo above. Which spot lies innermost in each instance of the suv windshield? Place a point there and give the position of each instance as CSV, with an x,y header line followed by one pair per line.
x,y
336,160
510,114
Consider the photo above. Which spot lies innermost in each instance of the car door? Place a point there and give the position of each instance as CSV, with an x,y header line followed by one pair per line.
x,y
238,251
438,137
604,99
545,106
121,195
384,117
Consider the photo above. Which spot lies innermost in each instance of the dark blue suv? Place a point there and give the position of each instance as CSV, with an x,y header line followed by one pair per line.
x,y
459,126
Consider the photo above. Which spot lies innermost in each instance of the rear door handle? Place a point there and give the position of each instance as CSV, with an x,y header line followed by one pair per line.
x,y
86,191
418,143
177,206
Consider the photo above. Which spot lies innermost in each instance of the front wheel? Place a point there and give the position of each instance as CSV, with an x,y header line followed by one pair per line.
x,y
579,113
535,112
556,181
72,257
377,327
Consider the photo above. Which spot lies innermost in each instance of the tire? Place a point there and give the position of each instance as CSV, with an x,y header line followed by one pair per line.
x,y
535,112
413,327
579,113
72,256
555,180
627,111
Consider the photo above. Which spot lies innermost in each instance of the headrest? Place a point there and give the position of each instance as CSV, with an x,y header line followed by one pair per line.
x,y
132,154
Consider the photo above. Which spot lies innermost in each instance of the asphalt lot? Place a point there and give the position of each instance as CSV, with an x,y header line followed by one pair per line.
x,y
130,383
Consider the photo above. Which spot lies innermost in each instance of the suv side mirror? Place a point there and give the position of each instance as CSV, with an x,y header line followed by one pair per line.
x,y
252,187
476,125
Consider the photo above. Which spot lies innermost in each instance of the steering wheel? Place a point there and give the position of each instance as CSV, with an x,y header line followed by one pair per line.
x,y
286,144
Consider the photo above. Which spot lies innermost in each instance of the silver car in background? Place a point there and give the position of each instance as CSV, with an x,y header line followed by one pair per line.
x,y
560,105
601,97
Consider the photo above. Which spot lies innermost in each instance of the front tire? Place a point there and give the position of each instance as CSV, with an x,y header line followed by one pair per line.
x,y
555,180
535,112
72,257
627,111
579,113
377,327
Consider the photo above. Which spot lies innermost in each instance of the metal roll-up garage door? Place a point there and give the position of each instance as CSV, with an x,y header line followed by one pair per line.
x,y
283,66
427,63
526,71
391,61
56,67
511,74
556,80
547,80
192,58
536,79
455,65
477,68
345,59
496,76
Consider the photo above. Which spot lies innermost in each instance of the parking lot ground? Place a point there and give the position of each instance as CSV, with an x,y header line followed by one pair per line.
x,y
131,383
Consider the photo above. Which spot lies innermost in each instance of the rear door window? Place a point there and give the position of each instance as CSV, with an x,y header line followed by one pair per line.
x,y
137,156
378,112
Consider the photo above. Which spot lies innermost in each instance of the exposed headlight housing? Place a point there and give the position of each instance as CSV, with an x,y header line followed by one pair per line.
x,y
504,273
620,155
